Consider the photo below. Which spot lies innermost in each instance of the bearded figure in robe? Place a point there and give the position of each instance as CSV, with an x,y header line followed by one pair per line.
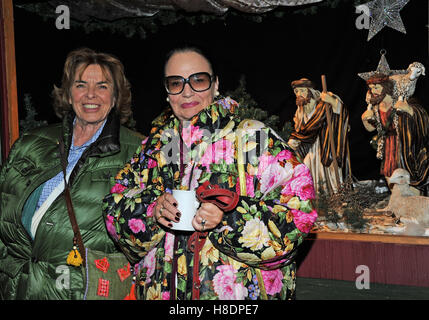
x,y
402,127
310,137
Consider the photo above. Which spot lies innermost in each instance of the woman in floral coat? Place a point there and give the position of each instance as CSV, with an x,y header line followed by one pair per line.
x,y
245,253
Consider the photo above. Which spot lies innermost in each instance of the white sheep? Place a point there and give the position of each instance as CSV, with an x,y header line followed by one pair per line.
x,y
410,208
405,84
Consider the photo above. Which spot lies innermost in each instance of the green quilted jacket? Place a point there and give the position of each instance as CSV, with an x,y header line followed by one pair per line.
x,y
37,269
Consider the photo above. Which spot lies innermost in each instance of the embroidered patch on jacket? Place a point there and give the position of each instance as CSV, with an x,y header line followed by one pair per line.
x,y
102,264
124,272
103,287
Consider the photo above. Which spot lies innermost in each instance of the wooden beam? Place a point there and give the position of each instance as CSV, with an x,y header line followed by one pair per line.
x,y
10,119
366,237
4,135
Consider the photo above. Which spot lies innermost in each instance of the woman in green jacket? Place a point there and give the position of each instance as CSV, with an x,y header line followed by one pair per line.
x,y
36,235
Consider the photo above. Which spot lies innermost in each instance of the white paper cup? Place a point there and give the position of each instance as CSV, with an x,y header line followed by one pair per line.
x,y
188,205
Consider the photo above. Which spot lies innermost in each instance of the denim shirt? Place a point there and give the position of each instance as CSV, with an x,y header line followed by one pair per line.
x,y
74,156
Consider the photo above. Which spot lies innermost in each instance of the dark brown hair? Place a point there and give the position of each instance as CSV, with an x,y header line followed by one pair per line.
x,y
190,48
112,69
384,81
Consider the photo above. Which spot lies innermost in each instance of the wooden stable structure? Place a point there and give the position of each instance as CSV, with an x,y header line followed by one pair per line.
x,y
391,259
8,87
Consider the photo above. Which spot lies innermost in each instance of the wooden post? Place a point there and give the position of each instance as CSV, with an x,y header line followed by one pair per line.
x,y
9,99
330,135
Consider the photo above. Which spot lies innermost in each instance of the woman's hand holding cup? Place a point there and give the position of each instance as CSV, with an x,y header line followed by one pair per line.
x,y
200,217
166,210
207,217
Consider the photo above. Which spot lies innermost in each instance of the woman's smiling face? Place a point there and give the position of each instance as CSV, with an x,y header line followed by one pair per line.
x,y
91,95
188,103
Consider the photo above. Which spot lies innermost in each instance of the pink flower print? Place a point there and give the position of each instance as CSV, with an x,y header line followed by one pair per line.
x,y
250,188
191,134
110,227
151,163
224,149
149,263
264,162
287,190
304,221
301,170
221,149
225,286
274,176
275,263
166,295
136,225
305,189
272,281
196,173
149,209
301,186
117,188
283,155
169,246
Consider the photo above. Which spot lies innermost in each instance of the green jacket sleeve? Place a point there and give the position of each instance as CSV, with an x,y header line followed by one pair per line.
x,y
6,166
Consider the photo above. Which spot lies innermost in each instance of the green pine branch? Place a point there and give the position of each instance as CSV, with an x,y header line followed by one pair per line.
x,y
251,110
30,122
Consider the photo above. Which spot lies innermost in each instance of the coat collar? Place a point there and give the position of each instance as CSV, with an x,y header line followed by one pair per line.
x,y
214,117
108,141
173,144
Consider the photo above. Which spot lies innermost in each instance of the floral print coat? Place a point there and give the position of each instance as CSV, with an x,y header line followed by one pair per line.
x,y
255,243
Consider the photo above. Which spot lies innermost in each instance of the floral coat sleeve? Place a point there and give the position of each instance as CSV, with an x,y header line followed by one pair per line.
x,y
262,232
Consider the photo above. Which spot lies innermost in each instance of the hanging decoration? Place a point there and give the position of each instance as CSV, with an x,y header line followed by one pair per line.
x,y
382,68
385,13
404,80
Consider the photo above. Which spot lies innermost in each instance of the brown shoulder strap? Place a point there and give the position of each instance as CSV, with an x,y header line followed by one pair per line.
x,y
77,236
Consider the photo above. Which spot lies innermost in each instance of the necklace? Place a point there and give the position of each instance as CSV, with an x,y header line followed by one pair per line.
x,y
382,130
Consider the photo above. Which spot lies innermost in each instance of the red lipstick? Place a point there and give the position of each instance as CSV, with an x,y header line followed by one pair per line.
x,y
189,104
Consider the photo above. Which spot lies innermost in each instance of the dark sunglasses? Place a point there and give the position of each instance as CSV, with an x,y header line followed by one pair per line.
x,y
199,82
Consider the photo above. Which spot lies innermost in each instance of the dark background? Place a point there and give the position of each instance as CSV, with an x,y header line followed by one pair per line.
x,y
270,54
